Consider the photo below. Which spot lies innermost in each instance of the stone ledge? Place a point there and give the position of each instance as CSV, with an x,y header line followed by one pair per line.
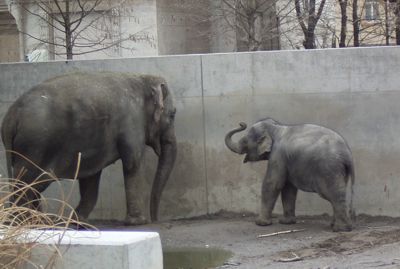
x,y
95,249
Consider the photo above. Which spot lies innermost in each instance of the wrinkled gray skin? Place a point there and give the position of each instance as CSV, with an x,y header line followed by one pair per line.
x,y
106,117
308,157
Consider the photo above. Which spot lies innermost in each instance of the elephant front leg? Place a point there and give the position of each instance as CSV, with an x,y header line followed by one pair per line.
x,y
131,152
134,194
288,195
268,199
271,187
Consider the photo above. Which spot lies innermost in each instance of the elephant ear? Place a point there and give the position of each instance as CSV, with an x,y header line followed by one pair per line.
x,y
158,93
264,144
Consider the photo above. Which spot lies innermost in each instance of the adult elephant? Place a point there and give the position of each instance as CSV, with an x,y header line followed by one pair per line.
x,y
104,116
308,157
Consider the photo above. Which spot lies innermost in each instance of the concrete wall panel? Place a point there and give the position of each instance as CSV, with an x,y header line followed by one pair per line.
x,y
353,91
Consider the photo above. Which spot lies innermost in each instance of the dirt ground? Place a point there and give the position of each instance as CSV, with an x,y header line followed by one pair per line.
x,y
374,243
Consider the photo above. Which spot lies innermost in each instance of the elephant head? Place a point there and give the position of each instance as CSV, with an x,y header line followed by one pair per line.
x,y
255,144
160,135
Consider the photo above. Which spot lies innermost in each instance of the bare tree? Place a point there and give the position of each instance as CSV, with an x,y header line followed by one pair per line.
x,y
79,27
267,24
343,23
254,22
356,24
397,26
308,19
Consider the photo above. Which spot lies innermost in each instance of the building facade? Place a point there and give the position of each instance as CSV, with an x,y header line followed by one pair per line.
x,y
376,21
161,27
9,36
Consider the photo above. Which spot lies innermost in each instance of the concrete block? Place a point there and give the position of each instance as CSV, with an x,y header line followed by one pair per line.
x,y
97,250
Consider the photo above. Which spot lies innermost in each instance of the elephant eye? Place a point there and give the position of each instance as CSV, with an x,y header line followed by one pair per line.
x,y
252,136
172,113
260,139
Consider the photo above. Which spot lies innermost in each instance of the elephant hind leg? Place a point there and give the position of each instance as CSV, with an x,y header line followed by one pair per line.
x,y
336,195
288,195
28,185
89,190
341,221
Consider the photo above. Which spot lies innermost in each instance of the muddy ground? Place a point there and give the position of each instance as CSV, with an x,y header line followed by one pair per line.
x,y
374,243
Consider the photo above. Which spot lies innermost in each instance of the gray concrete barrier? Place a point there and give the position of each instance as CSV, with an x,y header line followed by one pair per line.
x,y
94,249
353,91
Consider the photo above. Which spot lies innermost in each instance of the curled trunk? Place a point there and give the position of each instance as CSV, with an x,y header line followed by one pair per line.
x,y
235,147
165,164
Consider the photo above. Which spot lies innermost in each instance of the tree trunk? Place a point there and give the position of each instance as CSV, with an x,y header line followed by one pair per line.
x,y
309,40
387,34
308,30
356,24
68,43
251,38
397,12
343,24
68,33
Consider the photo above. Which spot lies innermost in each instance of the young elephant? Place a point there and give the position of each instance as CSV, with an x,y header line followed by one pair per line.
x,y
308,157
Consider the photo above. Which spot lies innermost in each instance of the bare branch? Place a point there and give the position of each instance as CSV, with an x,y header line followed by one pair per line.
x,y
320,9
42,18
80,24
300,16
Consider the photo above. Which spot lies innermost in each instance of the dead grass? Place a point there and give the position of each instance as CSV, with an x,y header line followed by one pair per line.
x,y
17,221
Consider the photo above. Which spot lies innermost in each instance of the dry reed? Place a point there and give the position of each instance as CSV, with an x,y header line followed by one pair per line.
x,y
17,221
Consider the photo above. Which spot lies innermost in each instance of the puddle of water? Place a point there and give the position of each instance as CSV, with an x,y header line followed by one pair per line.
x,y
194,258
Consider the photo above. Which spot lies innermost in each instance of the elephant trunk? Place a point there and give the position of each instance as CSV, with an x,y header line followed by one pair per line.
x,y
235,147
165,164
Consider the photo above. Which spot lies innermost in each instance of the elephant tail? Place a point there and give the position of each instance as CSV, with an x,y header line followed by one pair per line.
x,y
7,135
350,177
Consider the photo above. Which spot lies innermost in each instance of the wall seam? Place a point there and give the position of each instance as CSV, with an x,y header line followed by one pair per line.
x,y
204,133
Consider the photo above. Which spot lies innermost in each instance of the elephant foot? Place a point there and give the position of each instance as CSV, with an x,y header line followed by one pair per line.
x,y
139,220
287,220
80,219
79,226
333,223
263,222
341,228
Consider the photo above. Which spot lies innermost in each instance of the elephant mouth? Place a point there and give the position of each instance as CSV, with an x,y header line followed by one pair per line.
x,y
262,156
157,148
155,145
249,158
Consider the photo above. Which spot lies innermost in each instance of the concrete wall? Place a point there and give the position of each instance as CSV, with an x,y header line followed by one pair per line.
x,y
354,91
